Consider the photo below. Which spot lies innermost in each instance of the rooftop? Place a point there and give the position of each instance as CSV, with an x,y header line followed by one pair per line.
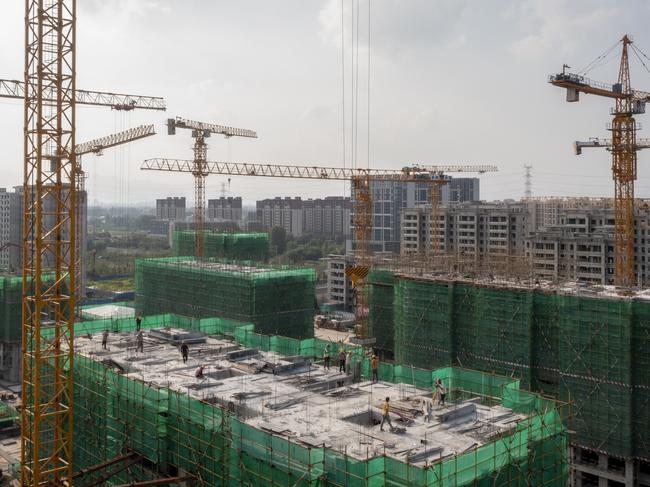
x,y
292,397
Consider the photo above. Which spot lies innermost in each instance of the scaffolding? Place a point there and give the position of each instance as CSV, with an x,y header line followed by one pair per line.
x,y
576,345
277,299
237,246
170,432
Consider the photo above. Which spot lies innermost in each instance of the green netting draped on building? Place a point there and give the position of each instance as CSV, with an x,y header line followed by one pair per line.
x,y
592,351
240,246
11,308
117,414
380,299
276,299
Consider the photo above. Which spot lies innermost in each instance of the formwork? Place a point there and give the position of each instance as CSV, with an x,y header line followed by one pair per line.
x,y
238,246
174,432
277,299
590,349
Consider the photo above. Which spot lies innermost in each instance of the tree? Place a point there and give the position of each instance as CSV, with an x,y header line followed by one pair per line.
x,y
279,240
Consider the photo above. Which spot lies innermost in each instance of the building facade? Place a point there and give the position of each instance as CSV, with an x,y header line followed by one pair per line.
x,y
391,197
564,239
225,209
579,245
328,216
170,208
475,235
339,288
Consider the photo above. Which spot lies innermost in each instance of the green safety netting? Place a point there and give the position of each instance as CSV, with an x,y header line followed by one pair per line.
x,y
277,300
380,300
240,246
11,306
115,414
592,351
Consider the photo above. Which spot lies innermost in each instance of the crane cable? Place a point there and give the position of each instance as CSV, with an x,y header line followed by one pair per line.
x,y
638,53
599,60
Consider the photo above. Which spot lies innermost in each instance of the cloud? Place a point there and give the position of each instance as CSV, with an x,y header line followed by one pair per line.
x,y
396,27
557,25
127,7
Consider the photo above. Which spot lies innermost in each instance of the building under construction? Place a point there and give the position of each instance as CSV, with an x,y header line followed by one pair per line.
x,y
241,246
586,345
277,299
264,411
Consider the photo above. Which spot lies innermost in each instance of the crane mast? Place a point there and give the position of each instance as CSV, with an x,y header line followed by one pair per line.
x,y
49,242
623,146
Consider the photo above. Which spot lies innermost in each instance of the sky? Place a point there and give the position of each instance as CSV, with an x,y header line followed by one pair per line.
x,y
433,82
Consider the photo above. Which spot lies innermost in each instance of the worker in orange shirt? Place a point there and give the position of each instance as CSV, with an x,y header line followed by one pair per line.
x,y
374,366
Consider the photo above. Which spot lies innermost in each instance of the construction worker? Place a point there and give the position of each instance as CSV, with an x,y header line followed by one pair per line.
x,y
138,322
374,366
199,372
385,415
104,339
348,362
326,357
139,342
441,392
341,359
428,410
185,351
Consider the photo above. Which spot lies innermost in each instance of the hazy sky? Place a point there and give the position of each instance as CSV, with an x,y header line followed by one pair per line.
x,y
451,81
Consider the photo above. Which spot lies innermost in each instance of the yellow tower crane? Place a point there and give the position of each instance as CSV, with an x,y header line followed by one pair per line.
x,y
200,132
49,237
623,146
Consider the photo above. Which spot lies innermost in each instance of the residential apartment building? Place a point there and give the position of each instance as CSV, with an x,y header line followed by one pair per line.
x,y
170,208
11,230
339,288
10,221
391,197
560,239
579,245
225,209
476,234
328,216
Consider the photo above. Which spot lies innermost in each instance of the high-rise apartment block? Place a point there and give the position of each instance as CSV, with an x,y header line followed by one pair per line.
x,y
476,235
10,229
556,239
170,208
323,216
225,209
391,197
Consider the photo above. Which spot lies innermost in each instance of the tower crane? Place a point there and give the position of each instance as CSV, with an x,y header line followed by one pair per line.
x,y
50,172
361,179
16,89
623,146
200,132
